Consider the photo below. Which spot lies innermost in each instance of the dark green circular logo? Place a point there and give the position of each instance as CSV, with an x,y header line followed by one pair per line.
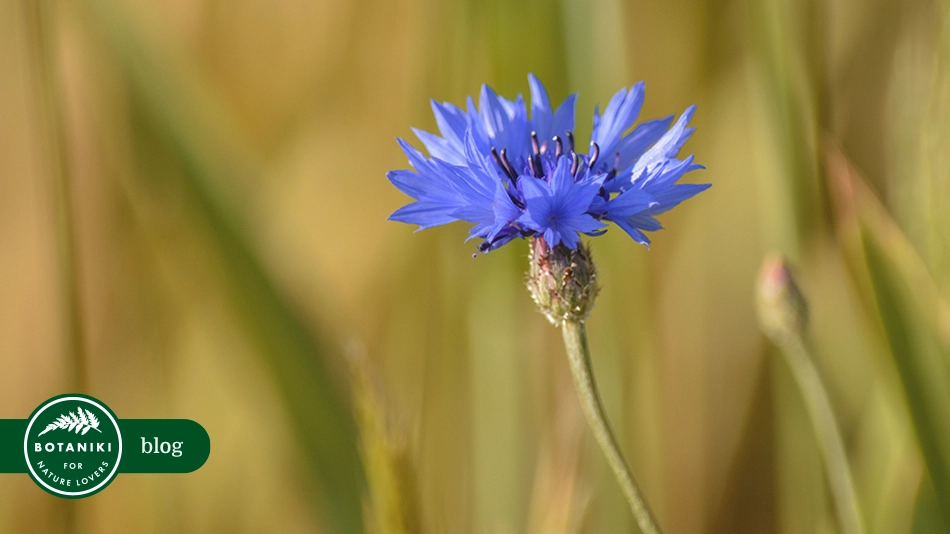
x,y
73,446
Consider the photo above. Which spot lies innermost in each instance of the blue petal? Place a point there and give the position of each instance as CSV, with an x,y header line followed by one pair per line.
x,y
562,180
541,112
410,183
439,147
504,209
425,214
568,238
633,145
563,121
670,197
451,121
584,223
636,234
416,159
621,113
544,120
668,145
500,239
481,165
580,197
537,196
629,203
666,173
645,222
498,124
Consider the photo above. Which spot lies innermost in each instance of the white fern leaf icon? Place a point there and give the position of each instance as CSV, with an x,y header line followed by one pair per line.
x,y
82,419
73,422
93,423
82,423
61,422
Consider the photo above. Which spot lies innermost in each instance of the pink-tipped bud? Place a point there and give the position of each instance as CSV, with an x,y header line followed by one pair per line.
x,y
781,307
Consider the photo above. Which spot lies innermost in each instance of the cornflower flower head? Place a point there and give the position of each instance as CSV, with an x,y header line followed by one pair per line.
x,y
514,176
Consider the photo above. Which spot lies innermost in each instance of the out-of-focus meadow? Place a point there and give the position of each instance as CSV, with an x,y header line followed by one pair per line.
x,y
193,211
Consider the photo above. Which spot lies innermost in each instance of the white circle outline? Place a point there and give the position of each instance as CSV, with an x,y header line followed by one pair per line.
x,y
26,452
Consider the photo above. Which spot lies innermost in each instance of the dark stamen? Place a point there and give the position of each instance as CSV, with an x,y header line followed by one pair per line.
x,y
487,244
535,147
570,141
514,199
575,164
593,158
535,164
501,163
558,147
509,168
613,172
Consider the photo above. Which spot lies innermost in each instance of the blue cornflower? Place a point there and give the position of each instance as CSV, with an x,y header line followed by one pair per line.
x,y
514,176
557,209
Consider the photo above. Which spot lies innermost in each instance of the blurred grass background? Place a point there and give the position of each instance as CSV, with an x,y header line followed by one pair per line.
x,y
193,224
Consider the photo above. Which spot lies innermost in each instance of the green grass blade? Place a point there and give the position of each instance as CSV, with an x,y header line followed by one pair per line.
x,y
921,362
187,118
913,317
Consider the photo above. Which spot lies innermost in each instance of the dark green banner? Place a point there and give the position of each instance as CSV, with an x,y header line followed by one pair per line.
x,y
73,446
149,446
12,459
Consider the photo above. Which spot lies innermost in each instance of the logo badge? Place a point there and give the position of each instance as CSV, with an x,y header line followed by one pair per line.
x,y
73,446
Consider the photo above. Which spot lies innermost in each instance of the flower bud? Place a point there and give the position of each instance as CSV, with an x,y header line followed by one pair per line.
x,y
563,282
781,307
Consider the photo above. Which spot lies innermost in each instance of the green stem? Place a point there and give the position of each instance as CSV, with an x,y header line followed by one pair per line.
x,y
826,431
578,353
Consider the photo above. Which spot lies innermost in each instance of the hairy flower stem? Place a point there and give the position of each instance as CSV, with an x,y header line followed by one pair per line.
x,y
578,354
826,432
